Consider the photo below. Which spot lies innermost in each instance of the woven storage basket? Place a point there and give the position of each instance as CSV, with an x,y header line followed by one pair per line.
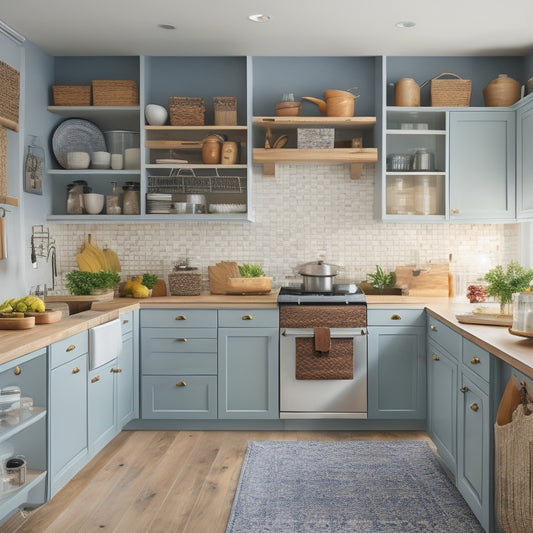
x,y
68,95
335,364
450,93
115,92
225,110
9,92
331,316
3,163
186,111
186,283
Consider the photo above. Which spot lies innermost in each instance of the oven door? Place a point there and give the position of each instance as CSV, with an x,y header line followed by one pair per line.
x,y
323,398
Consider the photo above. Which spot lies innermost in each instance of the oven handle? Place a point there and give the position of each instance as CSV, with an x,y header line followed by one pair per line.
x,y
337,333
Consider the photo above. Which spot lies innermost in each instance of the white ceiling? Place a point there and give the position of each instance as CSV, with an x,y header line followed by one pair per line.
x,y
297,27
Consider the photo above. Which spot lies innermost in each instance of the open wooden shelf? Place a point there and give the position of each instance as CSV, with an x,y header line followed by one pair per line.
x,y
355,123
9,200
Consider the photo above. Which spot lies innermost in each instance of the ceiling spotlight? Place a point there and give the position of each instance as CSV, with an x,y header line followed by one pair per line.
x,y
167,26
259,17
405,24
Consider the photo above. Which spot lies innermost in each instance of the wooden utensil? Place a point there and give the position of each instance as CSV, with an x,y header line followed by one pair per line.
x,y
47,317
17,323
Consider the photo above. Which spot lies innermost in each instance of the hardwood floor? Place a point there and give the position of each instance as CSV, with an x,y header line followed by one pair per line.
x,y
163,482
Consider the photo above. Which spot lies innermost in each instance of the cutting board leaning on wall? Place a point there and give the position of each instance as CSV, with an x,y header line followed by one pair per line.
x,y
430,280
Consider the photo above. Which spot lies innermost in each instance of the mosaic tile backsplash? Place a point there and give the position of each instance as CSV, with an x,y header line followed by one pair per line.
x,y
305,212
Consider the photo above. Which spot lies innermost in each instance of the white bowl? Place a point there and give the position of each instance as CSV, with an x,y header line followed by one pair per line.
x,y
101,160
78,160
156,115
94,203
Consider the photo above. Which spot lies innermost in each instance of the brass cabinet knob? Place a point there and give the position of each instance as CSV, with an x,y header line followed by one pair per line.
x,y
75,370
125,321
433,327
181,317
247,317
464,389
17,371
475,360
455,211
181,384
182,339
95,379
116,370
435,357
70,348
474,407
395,317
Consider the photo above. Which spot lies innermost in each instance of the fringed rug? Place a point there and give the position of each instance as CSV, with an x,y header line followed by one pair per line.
x,y
346,487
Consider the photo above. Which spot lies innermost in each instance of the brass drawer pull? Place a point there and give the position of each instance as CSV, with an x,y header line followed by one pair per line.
x,y
116,370
433,327
395,317
17,371
75,370
125,321
435,357
247,317
181,317
475,360
455,211
95,379
181,384
464,389
474,407
70,348
182,340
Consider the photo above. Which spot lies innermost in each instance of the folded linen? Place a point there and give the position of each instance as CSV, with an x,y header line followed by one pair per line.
x,y
322,339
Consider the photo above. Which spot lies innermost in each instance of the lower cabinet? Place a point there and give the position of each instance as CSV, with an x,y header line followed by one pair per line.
x,y
127,375
396,364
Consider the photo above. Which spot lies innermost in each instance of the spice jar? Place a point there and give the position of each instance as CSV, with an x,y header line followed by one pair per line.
x,y
132,197
211,149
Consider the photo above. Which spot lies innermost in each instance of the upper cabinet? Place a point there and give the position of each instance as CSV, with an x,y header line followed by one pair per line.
x,y
524,160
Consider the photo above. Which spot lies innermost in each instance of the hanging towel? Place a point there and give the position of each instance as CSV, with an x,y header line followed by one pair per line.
x,y
322,339
335,364
3,244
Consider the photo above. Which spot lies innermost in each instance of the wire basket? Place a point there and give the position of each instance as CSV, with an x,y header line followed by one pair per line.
x,y
450,93
186,111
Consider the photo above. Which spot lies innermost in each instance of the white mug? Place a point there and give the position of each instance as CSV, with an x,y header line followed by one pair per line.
x,y
117,161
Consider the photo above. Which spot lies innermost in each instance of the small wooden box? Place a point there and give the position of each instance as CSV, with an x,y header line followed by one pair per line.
x,y
316,138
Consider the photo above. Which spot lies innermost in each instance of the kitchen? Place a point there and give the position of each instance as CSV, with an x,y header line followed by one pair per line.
x,y
331,215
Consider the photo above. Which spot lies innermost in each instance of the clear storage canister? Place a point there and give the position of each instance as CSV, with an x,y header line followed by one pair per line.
x,y
426,195
400,195
523,312
131,201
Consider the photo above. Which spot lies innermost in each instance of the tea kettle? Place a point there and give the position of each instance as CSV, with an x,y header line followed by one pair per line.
x,y
337,104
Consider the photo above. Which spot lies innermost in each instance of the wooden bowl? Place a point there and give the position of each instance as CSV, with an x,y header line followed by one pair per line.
x,y
288,109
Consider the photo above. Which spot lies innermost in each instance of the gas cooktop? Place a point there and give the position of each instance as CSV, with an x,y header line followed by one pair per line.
x,y
348,293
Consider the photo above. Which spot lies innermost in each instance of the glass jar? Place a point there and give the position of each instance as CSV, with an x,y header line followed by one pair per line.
x,y
75,191
523,312
112,206
132,199
426,195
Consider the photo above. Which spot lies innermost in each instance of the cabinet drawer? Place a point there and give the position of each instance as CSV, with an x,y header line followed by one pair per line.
x,y
445,337
67,349
126,322
254,318
476,359
193,397
179,318
396,317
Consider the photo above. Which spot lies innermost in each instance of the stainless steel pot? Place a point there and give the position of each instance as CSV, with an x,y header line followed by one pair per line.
x,y
318,276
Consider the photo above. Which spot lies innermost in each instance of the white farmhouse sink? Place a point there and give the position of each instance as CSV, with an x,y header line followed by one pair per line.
x,y
105,342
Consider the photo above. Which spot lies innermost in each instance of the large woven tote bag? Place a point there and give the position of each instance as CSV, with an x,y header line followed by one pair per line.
x,y
514,469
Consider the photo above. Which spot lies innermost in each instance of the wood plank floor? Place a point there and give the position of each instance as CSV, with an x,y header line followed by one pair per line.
x,y
163,482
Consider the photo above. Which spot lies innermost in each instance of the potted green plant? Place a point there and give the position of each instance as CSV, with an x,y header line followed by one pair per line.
x,y
503,283
251,281
81,283
149,281
380,282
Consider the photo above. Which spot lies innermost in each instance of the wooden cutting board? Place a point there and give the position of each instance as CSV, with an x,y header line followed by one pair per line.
x,y
432,280
219,274
17,323
47,317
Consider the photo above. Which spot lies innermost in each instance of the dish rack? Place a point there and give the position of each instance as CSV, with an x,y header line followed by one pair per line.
x,y
190,181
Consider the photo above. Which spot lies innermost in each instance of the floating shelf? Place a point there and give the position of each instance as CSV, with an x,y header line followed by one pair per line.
x,y
354,123
9,200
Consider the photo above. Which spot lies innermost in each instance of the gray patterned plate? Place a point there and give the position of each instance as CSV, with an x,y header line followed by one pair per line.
x,y
76,135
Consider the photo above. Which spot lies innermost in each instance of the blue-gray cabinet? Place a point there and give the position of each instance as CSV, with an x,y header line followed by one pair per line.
x,y
24,432
248,363
524,160
68,408
396,364
127,372
482,165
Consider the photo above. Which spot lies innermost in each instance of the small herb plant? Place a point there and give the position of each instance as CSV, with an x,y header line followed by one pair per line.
x,y
380,280
251,271
149,280
80,283
504,283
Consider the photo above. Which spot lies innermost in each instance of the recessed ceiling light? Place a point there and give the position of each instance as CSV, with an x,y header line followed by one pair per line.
x,y
260,17
405,24
167,26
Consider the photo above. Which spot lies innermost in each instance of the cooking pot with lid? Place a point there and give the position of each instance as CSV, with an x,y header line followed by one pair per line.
x,y
318,276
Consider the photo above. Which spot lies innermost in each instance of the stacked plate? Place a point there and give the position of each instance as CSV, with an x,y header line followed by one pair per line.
x,y
227,208
158,203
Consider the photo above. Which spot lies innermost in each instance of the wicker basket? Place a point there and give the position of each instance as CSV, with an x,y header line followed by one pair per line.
x,y
186,111
9,92
69,95
450,93
115,92
185,283
225,110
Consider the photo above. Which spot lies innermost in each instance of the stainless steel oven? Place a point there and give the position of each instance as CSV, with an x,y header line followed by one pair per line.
x,y
341,390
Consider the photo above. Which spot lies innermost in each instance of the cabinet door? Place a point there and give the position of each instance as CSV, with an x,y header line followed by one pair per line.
x,y
396,372
442,404
482,165
473,448
101,406
127,382
524,161
68,420
248,373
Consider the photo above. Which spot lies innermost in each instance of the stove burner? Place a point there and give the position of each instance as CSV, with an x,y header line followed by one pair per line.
x,y
348,293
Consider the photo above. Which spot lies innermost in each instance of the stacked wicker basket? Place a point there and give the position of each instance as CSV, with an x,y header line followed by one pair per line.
x,y
103,92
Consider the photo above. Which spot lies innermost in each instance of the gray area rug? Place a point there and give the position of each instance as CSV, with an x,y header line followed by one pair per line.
x,y
346,487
